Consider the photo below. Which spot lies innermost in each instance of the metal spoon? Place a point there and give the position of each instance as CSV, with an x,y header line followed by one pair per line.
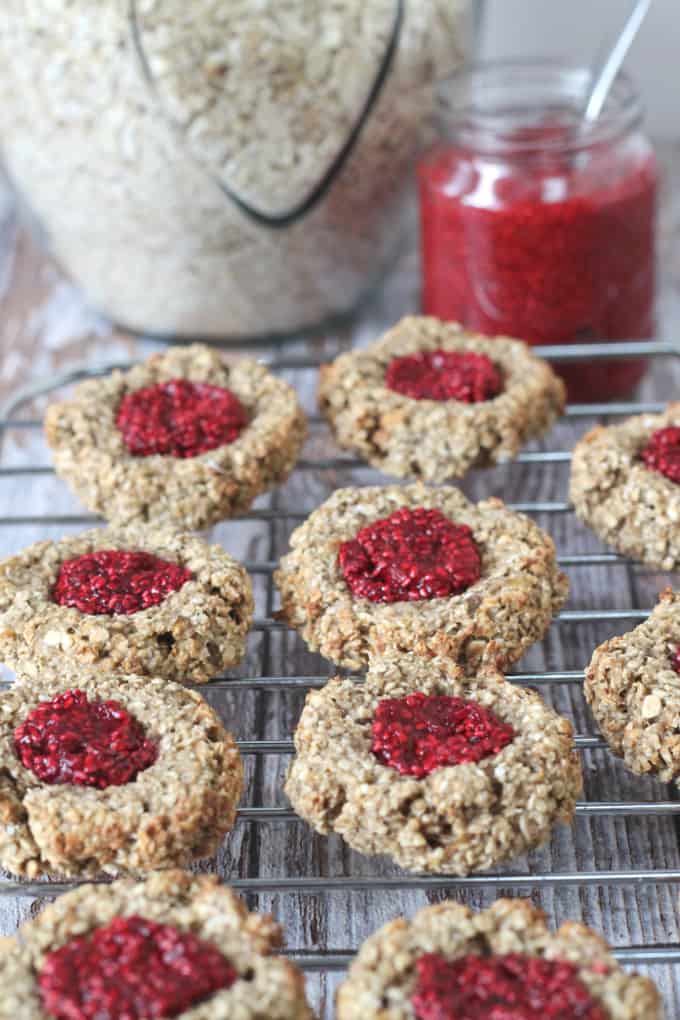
x,y
603,77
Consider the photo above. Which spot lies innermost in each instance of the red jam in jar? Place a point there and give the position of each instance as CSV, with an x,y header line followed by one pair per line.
x,y
535,227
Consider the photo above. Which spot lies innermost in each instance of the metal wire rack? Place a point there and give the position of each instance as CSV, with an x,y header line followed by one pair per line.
x,y
337,960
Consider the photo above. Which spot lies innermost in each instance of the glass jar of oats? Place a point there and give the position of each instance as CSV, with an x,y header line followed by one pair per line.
x,y
222,168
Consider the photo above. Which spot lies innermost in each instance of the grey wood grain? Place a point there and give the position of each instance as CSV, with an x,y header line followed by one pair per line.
x,y
627,915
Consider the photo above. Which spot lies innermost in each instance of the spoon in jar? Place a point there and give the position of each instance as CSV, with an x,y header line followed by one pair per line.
x,y
604,76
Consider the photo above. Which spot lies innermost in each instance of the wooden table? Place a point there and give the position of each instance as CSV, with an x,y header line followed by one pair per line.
x,y
45,327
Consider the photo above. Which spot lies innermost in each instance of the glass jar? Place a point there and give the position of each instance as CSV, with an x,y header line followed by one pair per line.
x,y
222,170
535,226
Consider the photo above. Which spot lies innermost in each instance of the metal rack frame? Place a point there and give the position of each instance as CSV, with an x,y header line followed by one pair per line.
x,y
338,960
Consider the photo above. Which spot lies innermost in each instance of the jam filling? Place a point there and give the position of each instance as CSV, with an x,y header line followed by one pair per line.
x,y
112,581
545,247
423,732
675,660
511,987
83,743
179,418
410,555
445,375
131,969
662,452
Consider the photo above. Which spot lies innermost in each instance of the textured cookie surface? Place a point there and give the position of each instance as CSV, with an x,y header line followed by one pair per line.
x,y
633,689
174,811
267,988
513,602
634,509
382,979
437,439
190,636
90,454
459,818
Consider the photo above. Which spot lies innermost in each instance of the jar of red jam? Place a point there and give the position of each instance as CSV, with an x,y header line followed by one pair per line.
x,y
537,226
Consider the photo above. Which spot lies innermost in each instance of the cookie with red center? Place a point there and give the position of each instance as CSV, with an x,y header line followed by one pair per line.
x,y
406,568
503,963
625,484
132,600
185,438
444,772
633,690
115,774
432,401
176,945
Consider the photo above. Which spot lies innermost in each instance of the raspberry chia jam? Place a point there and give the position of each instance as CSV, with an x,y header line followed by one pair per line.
x,y
423,732
445,375
662,453
73,740
675,659
409,556
131,969
179,418
510,987
112,581
536,228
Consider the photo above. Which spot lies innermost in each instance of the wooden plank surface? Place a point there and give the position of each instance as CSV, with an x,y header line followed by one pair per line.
x,y
45,327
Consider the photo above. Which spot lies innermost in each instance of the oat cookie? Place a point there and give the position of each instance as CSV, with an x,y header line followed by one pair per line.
x,y
446,611
624,485
633,689
408,970
87,786
228,447
403,764
152,602
473,403
205,953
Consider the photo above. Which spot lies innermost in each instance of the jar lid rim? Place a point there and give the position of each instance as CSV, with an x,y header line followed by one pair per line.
x,y
483,104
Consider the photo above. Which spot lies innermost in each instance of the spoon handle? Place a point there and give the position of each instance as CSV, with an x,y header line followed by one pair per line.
x,y
605,75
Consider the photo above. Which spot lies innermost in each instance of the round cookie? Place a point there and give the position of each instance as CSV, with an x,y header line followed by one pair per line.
x,y
619,490
186,620
88,787
633,689
260,433
448,957
518,591
397,765
432,401
196,936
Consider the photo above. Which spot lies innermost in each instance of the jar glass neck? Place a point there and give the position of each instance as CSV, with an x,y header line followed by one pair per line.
x,y
531,107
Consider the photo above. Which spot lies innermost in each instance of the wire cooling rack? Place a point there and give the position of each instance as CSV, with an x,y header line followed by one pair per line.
x,y
13,419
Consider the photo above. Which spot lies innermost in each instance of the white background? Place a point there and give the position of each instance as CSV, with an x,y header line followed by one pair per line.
x,y
576,28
